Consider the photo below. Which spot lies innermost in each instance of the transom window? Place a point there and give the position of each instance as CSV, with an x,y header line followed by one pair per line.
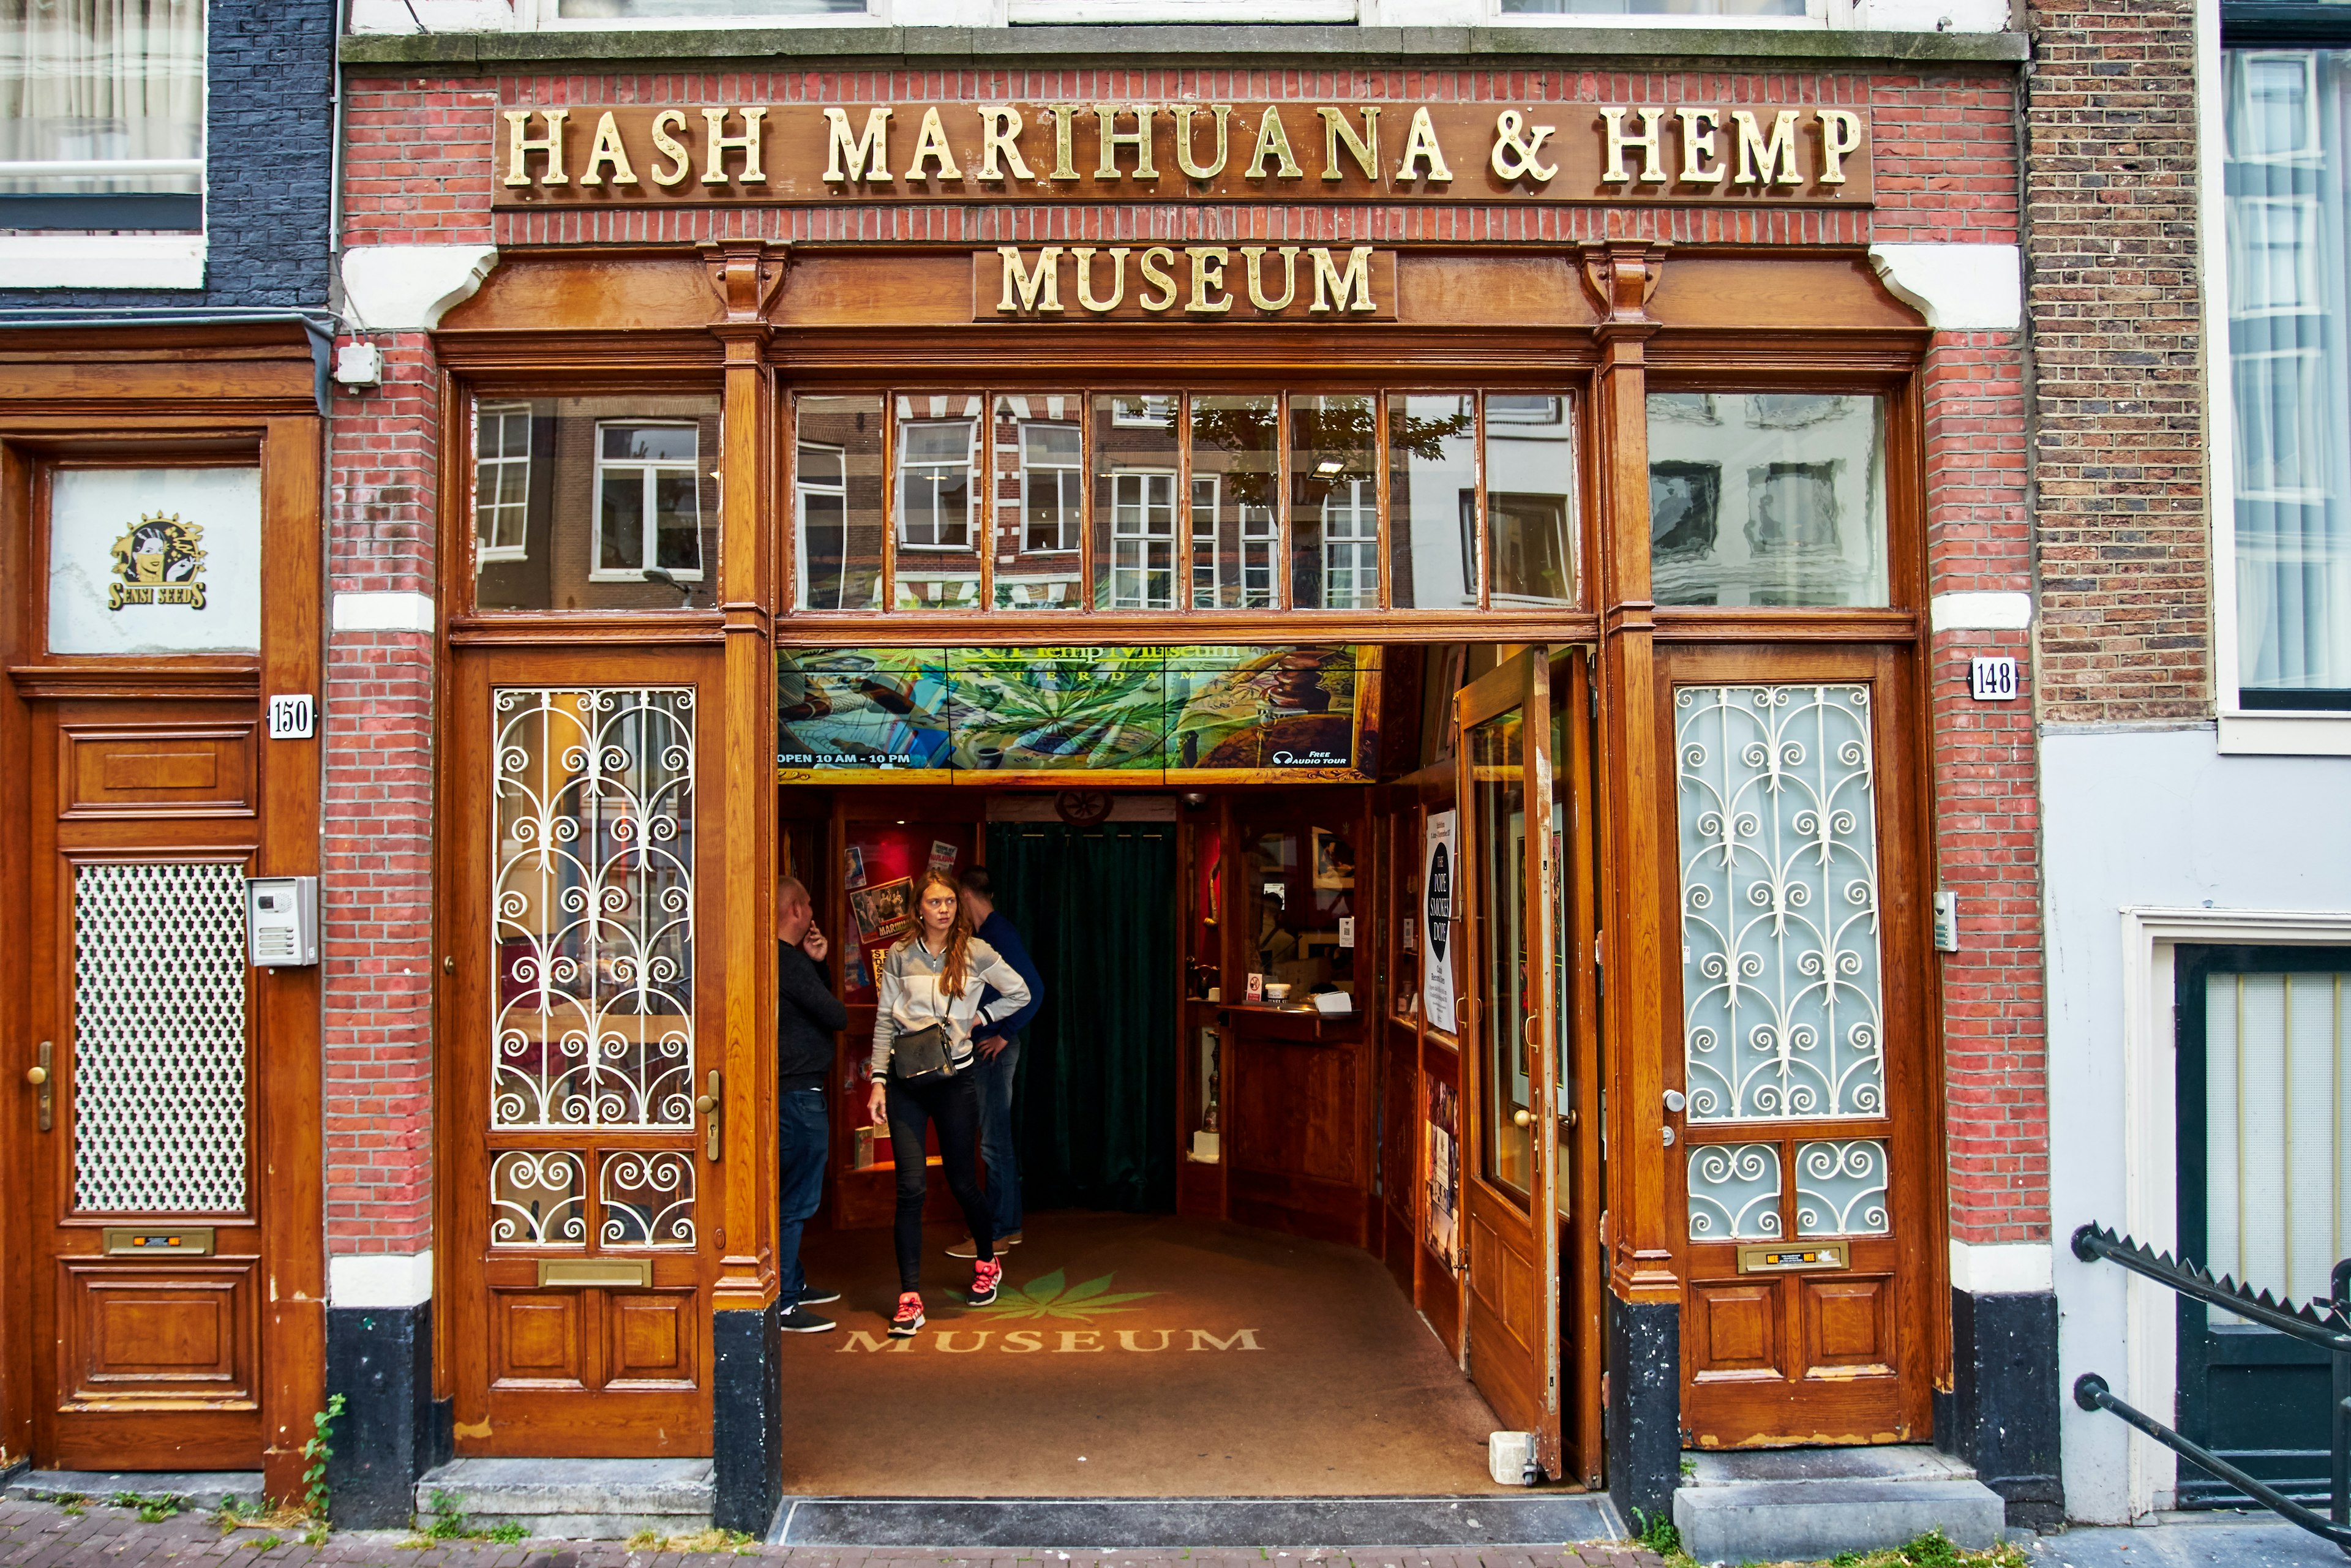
x,y
1123,501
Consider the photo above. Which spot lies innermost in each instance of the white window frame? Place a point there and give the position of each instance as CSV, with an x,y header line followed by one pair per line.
x,y
1261,556
543,16
651,473
2151,937
1158,411
1128,541
1362,503
2243,732
802,488
1211,487
1070,484
1817,14
932,468
1019,13
485,551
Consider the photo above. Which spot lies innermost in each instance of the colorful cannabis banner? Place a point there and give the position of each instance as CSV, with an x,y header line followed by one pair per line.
x,y
1129,715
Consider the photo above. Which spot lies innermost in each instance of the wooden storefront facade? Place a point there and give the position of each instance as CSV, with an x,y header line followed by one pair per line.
x,y
660,411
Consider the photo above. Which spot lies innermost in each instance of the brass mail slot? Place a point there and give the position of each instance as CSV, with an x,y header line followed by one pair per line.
x,y
637,1271
178,1241
1786,1258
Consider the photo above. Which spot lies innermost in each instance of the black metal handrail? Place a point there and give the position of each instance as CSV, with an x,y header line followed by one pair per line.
x,y
2329,1328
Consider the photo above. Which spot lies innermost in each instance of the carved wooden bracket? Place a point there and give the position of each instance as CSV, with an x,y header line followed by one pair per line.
x,y
1621,276
746,274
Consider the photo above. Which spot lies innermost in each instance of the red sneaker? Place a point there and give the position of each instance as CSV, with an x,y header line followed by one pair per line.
x,y
909,1316
983,1279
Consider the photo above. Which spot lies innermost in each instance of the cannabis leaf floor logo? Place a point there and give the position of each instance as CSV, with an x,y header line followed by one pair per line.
x,y
1051,1296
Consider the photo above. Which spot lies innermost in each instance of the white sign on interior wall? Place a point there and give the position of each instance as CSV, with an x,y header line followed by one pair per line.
x,y
155,561
1439,872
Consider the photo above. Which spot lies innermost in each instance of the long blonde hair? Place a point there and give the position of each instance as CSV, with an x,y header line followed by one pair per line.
x,y
955,971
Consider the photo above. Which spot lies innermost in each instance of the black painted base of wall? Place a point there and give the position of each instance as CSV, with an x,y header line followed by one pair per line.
x,y
2001,1413
380,1359
747,1420
1644,1406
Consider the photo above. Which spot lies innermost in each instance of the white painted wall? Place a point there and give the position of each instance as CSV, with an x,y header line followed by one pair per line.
x,y
2140,819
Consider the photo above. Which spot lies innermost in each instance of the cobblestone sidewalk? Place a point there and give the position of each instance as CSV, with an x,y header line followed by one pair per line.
x,y
44,1536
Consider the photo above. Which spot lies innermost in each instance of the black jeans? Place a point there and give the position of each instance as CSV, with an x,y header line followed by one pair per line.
x,y
953,1107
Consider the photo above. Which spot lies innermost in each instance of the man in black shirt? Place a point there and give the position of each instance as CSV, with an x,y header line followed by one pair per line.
x,y
807,1016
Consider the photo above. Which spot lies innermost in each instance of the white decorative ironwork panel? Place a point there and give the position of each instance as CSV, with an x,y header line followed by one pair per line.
x,y
539,1198
1734,1192
1841,1189
1779,860
594,908
646,1199
159,1048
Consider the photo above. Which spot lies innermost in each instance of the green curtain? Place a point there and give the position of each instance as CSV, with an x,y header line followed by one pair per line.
x,y
1095,1114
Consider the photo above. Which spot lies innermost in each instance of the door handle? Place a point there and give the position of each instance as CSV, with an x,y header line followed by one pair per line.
x,y
709,1104
1523,1118
44,1092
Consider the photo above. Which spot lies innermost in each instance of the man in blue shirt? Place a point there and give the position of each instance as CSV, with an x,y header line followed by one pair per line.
x,y
1000,1063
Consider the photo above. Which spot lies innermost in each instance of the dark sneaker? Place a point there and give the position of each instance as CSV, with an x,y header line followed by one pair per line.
x,y
909,1317
983,1279
1010,1239
817,1296
800,1320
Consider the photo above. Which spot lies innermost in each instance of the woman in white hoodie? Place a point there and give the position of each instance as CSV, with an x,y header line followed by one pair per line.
x,y
931,983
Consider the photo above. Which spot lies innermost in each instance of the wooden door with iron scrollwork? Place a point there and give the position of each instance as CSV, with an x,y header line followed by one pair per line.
x,y
583,1102
1801,1122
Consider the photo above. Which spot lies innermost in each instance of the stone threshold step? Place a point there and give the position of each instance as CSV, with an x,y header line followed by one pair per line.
x,y
205,1490
579,1500
1486,1520
1777,1504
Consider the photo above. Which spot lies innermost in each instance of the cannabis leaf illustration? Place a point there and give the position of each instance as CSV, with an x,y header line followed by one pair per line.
x,y
1051,1296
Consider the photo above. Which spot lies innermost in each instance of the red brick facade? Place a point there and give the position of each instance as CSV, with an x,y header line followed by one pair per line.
x,y
2117,330
419,154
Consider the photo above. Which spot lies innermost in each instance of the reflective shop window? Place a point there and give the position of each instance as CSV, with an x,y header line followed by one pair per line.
x,y
1137,457
596,503
1334,502
1041,509
1530,500
1433,557
837,503
938,446
1123,502
1236,483
1766,499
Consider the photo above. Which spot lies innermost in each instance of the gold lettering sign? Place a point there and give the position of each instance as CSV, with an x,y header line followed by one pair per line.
x,y
1144,282
800,154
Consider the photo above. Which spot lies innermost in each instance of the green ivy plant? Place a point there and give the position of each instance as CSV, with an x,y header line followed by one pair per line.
x,y
314,1479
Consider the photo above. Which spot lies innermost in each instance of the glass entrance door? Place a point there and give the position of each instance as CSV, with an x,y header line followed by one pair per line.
x,y
1509,1049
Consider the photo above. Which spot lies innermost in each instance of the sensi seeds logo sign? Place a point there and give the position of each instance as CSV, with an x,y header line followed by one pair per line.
x,y
158,562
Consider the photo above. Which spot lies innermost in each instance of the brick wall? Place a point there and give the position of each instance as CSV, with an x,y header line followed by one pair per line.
x,y
1988,823
268,145
378,882
2111,278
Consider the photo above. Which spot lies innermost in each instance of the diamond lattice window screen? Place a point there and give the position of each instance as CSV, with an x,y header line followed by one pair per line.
x,y
159,1038
1779,861
592,914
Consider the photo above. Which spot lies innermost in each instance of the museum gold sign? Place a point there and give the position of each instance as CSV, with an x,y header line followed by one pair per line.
x,y
806,154
1189,282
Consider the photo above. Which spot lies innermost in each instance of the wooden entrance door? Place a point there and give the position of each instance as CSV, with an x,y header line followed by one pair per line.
x,y
148,1313
1510,1058
2264,1061
583,1100
1801,1116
